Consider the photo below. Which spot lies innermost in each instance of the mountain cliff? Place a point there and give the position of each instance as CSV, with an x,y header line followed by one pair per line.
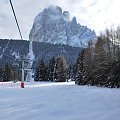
x,y
55,26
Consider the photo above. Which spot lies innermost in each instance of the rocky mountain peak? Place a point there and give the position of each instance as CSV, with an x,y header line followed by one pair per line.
x,y
54,26
66,15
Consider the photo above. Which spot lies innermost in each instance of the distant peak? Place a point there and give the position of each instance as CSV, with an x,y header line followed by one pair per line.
x,y
54,9
55,12
74,19
66,15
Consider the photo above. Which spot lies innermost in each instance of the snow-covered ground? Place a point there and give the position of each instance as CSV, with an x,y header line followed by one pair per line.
x,y
58,101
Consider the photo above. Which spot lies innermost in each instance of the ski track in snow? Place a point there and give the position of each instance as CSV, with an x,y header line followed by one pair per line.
x,y
58,101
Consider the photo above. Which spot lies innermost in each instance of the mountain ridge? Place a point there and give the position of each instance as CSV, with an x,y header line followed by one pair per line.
x,y
53,25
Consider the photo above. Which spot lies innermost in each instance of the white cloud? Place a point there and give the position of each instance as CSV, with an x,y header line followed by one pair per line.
x,y
96,14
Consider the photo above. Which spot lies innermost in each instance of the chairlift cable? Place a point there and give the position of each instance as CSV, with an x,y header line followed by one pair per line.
x,y
18,29
16,19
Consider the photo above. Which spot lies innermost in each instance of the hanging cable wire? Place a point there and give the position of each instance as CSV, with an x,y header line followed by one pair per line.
x,y
17,26
16,19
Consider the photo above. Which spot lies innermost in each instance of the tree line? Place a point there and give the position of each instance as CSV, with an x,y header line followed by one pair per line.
x,y
99,63
55,71
9,73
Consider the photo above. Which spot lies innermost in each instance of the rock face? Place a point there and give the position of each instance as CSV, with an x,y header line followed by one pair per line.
x,y
54,26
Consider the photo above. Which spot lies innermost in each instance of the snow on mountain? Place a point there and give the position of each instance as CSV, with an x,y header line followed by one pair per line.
x,y
54,26
58,101
18,48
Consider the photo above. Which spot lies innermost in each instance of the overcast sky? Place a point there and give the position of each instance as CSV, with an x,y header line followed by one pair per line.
x,y
96,14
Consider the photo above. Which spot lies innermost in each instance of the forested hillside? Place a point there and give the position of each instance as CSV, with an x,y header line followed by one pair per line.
x,y
13,49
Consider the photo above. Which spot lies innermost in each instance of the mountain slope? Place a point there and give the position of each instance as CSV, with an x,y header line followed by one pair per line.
x,y
18,48
54,26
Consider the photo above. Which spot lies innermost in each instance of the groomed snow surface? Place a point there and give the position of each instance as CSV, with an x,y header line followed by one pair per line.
x,y
58,101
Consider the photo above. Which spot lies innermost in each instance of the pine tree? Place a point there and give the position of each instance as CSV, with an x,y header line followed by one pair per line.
x,y
1,73
37,72
52,69
70,73
88,62
40,71
46,73
101,62
7,74
15,74
79,69
61,69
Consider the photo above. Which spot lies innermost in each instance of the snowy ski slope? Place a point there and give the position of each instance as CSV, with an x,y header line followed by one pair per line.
x,y
58,101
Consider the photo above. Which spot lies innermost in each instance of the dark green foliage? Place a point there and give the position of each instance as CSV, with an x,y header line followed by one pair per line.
x,y
15,75
114,75
106,76
79,68
52,69
7,74
46,73
54,72
40,71
101,63
1,73
70,73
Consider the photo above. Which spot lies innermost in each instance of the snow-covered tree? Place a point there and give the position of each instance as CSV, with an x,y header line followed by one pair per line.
x,y
46,72
79,68
102,62
40,71
52,69
70,73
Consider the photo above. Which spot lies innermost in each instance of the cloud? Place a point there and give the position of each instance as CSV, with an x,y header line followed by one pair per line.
x,y
96,14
